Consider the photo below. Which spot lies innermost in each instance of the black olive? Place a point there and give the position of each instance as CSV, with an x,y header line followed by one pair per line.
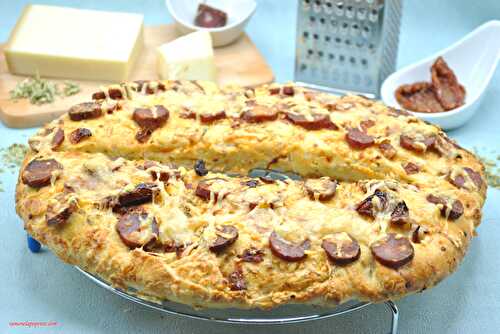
x,y
199,168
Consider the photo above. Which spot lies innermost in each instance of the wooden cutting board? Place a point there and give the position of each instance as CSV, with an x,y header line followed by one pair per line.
x,y
239,63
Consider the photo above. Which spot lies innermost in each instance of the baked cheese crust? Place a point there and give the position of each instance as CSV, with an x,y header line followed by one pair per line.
x,y
387,205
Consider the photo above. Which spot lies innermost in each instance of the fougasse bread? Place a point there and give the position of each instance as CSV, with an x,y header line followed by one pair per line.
x,y
146,187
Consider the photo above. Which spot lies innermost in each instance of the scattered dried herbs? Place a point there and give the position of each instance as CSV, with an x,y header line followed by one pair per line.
x,y
41,91
11,158
492,166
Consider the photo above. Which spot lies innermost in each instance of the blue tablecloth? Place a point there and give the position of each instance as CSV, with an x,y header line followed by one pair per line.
x,y
42,288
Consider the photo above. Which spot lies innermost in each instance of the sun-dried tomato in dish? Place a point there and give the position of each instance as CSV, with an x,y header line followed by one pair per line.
x,y
443,93
210,17
449,92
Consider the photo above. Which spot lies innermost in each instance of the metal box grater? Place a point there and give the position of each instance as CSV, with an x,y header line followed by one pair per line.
x,y
346,46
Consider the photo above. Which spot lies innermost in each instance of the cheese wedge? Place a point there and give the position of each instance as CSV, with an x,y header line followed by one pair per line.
x,y
190,57
74,43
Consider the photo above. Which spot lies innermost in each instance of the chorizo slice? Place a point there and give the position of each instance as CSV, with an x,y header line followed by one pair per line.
x,y
142,193
209,118
419,145
358,139
322,189
259,114
38,172
341,248
312,122
136,229
286,250
85,110
226,235
393,251
151,119
214,186
450,212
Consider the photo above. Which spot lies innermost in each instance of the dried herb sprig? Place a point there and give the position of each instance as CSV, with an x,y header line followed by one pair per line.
x,y
41,91
70,88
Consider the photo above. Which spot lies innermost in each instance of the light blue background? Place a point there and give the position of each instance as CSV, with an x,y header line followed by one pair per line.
x,y
41,288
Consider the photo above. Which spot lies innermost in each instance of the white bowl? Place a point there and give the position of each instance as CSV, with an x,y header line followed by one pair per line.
x,y
474,59
238,14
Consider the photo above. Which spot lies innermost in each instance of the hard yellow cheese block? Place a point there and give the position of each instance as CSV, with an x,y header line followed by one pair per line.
x,y
74,43
190,57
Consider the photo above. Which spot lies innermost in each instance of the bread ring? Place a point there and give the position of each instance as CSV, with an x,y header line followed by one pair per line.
x,y
387,207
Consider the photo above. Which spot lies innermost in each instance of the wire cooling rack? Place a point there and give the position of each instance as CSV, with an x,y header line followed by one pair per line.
x,y
288,314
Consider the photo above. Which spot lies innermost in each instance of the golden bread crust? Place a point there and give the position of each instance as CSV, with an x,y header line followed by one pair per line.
x,y
132,170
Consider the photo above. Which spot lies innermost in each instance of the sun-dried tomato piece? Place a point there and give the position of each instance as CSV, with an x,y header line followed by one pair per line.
x,y
79,134
288,90
210,17
99,95
115,93
387,150
401,214
252,254
411,168
457,210
366,207
57,139
458,181
148,87
418,233
237,281
475,177
251,183
449,92
143,135
419,97
59,214
267,179
274,91
366,124
453,213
